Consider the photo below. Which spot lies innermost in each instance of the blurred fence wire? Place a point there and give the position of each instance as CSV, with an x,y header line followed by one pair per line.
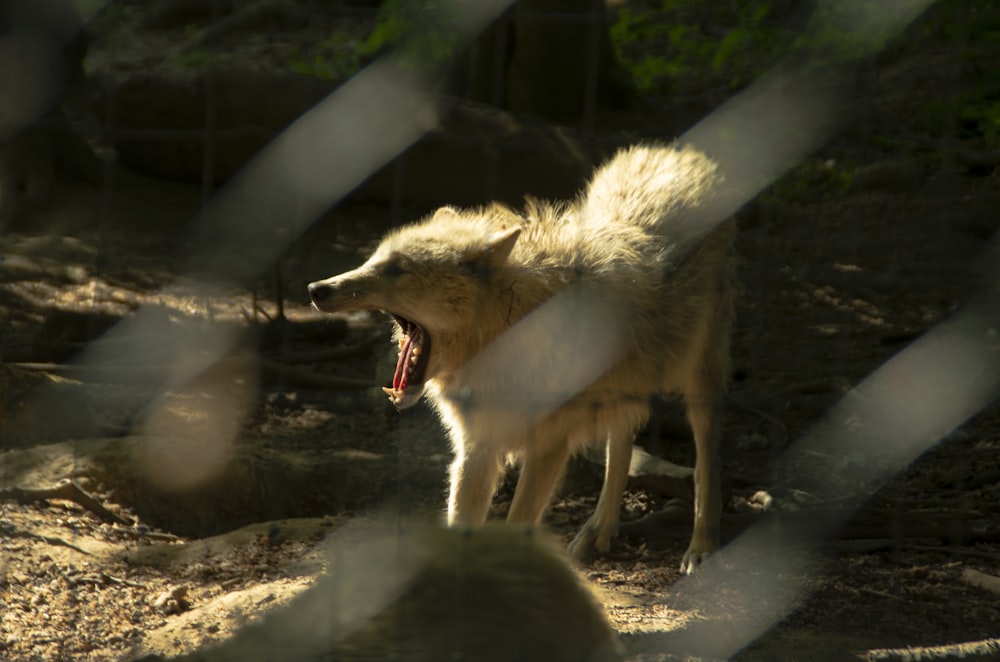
x,y
903,409
297,177
900,411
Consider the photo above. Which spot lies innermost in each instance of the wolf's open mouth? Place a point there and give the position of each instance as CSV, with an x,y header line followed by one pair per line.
x,y
414,349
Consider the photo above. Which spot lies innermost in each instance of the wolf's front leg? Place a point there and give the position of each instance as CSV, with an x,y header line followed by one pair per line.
x,y
474,474
602,527
541,469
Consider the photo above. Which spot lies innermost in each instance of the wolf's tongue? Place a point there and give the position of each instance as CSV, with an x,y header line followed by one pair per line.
x,y
399,379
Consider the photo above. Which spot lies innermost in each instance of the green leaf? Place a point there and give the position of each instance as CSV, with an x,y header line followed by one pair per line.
x,y
731,43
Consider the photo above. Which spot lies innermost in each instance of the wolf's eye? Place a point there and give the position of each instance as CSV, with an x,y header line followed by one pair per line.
x,y
393,269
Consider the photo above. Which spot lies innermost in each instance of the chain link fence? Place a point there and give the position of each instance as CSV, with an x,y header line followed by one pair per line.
x,y
245,226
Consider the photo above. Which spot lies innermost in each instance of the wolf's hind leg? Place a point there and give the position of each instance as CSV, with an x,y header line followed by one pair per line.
x,y
602,527
474,475
541,469
702,402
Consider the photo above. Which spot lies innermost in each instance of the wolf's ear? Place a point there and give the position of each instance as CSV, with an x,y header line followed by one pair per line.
x,y
499,246
445,213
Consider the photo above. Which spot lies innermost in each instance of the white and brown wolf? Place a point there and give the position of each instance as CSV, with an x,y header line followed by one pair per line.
x,y
536,333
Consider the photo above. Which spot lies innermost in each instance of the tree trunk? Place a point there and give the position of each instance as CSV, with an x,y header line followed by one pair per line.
x,y
551,58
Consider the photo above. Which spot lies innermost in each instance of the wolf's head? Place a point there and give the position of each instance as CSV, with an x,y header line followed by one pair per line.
x,y
439,280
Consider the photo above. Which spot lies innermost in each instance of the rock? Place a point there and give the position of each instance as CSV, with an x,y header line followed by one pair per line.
x,y
159,121
496,592
172,601
167,14
477,154
660,476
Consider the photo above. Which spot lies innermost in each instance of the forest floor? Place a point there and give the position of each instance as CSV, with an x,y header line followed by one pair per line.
x,y
214,491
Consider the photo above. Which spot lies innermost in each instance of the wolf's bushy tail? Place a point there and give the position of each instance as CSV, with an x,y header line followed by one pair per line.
x,y
661,188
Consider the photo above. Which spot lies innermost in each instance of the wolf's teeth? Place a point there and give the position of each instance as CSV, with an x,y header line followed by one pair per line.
x,y
395,396
413,359
415,351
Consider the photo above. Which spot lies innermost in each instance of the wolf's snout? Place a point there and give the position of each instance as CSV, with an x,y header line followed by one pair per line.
x,y
319,292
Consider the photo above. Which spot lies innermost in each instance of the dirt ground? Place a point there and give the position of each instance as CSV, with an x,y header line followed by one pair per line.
x,y
217,489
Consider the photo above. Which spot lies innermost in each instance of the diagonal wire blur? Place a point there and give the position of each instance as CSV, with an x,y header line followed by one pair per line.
x,y
285,188
259,213
909,404
903,409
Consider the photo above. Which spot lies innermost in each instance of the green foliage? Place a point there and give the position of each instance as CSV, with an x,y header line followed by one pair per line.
x,y
191,60
845,32
679,39
336,58
87,9
971,106
421,32
983,118
981,108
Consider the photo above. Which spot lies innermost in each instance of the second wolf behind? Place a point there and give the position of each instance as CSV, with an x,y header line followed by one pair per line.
x,y
537,333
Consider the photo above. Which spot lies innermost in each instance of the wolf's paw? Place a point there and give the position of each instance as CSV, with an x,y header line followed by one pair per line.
x,y
692,560
590,539
695,556
704,543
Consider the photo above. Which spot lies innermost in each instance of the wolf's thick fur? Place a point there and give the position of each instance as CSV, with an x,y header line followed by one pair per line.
x,y
461,283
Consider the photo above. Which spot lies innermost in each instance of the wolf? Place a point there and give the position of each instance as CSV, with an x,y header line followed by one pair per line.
x,y
535,333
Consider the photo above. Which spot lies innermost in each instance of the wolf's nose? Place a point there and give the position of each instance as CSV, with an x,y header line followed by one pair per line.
x,y
318,292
